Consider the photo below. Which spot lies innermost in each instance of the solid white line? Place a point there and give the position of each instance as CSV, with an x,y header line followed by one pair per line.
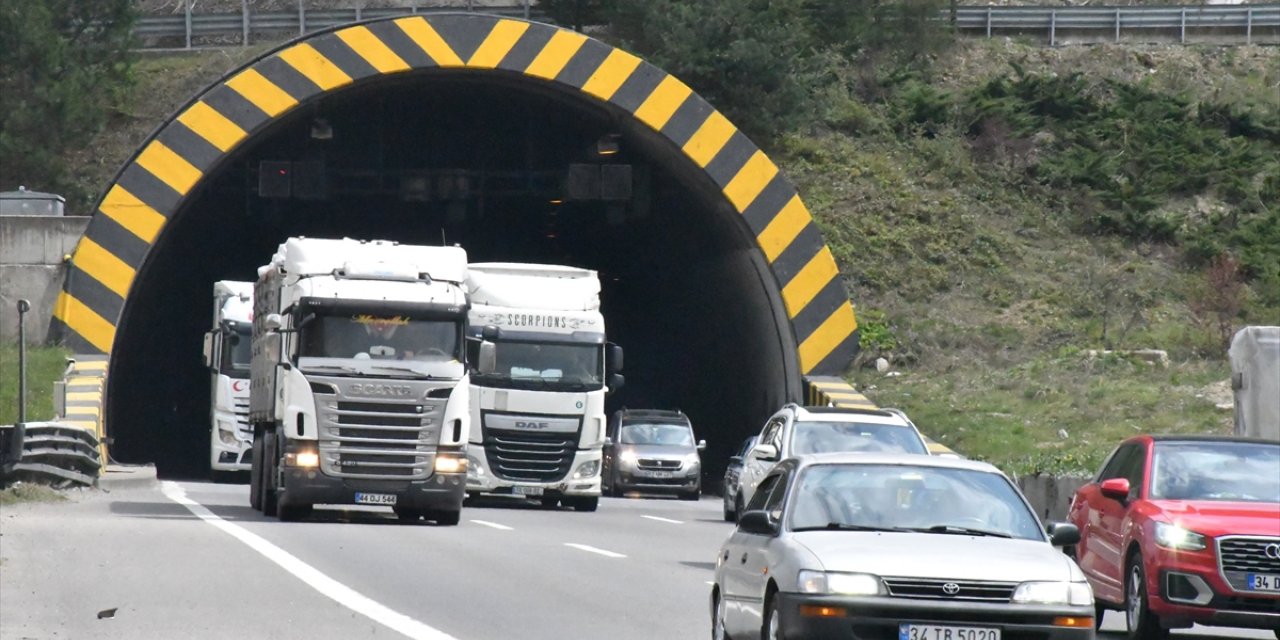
x,y
661,519
583,547
334,590
492,524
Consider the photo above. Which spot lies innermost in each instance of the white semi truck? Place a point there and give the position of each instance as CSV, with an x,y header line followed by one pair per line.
x,y
539,375
359,387
227,350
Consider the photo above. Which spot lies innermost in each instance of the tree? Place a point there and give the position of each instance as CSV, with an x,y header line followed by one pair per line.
x,y
63,64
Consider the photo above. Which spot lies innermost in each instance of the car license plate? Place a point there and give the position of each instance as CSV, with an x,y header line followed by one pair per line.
x,y
940,632
1264,582
376,498
526,491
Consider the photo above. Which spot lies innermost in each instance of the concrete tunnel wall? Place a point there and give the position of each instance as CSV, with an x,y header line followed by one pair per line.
x,y
138,280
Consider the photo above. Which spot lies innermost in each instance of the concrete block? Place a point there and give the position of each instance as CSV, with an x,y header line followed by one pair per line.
x,y
1051,495
40,285
42,240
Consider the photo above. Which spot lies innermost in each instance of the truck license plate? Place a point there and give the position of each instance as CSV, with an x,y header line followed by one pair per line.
x,y
376,498
1264,582
526,491
939,632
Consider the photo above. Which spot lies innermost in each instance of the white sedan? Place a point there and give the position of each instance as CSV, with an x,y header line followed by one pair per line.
x,y
896,547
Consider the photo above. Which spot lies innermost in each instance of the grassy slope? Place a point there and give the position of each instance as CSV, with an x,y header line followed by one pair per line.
x,y
44,366
989,292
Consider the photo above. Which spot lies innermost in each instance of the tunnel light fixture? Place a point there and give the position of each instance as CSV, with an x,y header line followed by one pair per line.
x,y
321,129
607,145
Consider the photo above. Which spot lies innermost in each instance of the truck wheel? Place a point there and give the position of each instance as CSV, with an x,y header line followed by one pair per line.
x,y
550,502
270,500
445,518
583,504
293,512
255,477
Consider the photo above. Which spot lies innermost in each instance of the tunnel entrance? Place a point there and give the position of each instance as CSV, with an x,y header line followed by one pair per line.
x,y
715,281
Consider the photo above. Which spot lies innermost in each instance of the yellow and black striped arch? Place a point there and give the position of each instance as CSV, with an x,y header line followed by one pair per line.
x,y
132,215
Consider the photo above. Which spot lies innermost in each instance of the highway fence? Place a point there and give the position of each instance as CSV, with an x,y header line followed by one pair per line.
x,y
1186,24
50,453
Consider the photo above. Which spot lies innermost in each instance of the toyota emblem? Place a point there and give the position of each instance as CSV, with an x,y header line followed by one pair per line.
x,y
951,588
1272,551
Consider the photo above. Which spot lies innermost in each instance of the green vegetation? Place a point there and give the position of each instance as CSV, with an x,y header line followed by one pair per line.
x,y
44,366
65,68
29,493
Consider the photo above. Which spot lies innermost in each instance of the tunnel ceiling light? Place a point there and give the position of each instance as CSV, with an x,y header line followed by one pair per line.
x,y
607,145
321,129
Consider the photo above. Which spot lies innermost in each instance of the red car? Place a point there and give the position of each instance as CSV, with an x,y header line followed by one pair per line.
x,y
1177,530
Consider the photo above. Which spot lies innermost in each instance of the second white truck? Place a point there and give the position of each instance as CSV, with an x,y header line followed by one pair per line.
x,y
227,350
540,368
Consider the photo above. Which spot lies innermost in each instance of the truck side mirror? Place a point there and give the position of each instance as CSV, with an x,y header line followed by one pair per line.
x,y
487,361
273,322
608,442
210,348
615,382
613,359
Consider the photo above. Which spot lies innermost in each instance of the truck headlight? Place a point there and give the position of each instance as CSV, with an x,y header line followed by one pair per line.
x,y
1076,594
474,467
227,437
450,464
308,459
845,584
588,469
1171,536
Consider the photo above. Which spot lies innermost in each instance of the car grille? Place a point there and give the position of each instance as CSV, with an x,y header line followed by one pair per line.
x,y
652,464
967,590
1239,556
529,457
367,439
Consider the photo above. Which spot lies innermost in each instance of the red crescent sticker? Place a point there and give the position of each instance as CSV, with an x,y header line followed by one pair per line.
x,y
237,385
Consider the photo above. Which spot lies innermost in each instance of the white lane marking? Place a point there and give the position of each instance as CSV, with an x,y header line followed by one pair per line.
x,y
494,525
334,590
583,547
661,519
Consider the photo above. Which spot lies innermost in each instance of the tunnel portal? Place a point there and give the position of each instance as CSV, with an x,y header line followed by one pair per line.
x,y
518,141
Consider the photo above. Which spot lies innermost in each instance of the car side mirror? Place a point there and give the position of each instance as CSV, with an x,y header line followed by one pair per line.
x,y
758,522
766,452
608,442
1062,534
702,445
487,361
1116,489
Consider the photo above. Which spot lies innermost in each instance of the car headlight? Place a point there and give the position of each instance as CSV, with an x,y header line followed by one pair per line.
x,y
588,469
692,459
845,584
1076,594
1171,536
627,457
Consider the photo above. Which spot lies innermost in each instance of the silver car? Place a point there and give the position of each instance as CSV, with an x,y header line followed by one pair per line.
x,y
896,547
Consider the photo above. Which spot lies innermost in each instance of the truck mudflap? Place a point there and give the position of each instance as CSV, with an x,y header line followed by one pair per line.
x,y
439,492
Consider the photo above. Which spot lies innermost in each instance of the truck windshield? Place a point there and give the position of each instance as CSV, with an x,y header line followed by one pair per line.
x,y
540,365
237,349
380,337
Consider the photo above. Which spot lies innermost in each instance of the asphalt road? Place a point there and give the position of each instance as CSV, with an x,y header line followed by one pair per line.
x,y
192,560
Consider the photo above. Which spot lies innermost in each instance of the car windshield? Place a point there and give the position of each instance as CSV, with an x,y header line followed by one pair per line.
x,y
1229,471
677,435
916,498
827,437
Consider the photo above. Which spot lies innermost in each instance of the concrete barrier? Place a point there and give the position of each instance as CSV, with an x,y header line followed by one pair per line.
x,y
1051,495
31,267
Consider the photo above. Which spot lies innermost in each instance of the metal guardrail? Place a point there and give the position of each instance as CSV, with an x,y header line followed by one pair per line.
x,y
186,30
189,30
1117,23
48,451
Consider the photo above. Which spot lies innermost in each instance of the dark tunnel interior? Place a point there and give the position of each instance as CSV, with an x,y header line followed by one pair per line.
x,y
482,161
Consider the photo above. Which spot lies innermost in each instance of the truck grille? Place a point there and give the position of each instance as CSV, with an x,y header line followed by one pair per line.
x,y
240,406
967,590
369,439
529,457
1239,556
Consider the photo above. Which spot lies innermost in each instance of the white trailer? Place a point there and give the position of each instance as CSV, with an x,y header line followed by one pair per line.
x,y
541,367
359,386
1255,379
227,349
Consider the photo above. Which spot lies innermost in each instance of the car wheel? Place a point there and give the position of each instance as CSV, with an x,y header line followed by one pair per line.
x,y
1143,625
692,495
737,508
718,630
730,514
772,629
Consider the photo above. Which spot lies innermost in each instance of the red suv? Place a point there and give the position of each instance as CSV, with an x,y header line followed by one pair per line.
x,y
1177,530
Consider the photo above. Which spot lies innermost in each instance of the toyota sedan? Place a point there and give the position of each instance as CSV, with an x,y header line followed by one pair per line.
x,y
896,547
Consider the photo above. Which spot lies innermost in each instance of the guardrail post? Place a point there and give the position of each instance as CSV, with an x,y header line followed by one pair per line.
x,y
359,5
1248,25
1053,27
244,23
413,7
1117,24
526,9
302,19
1182,28
988,22
23,308
187,14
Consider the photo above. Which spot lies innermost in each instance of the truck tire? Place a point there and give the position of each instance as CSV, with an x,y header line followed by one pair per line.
x,y
549,502
583,504
293,512
270,499
255,476
445,518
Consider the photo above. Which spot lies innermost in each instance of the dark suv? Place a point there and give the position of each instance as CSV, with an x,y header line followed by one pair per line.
x,y
652,451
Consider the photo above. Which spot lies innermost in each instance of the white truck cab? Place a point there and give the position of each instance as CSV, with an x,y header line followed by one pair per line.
x,y
227,351
541,368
